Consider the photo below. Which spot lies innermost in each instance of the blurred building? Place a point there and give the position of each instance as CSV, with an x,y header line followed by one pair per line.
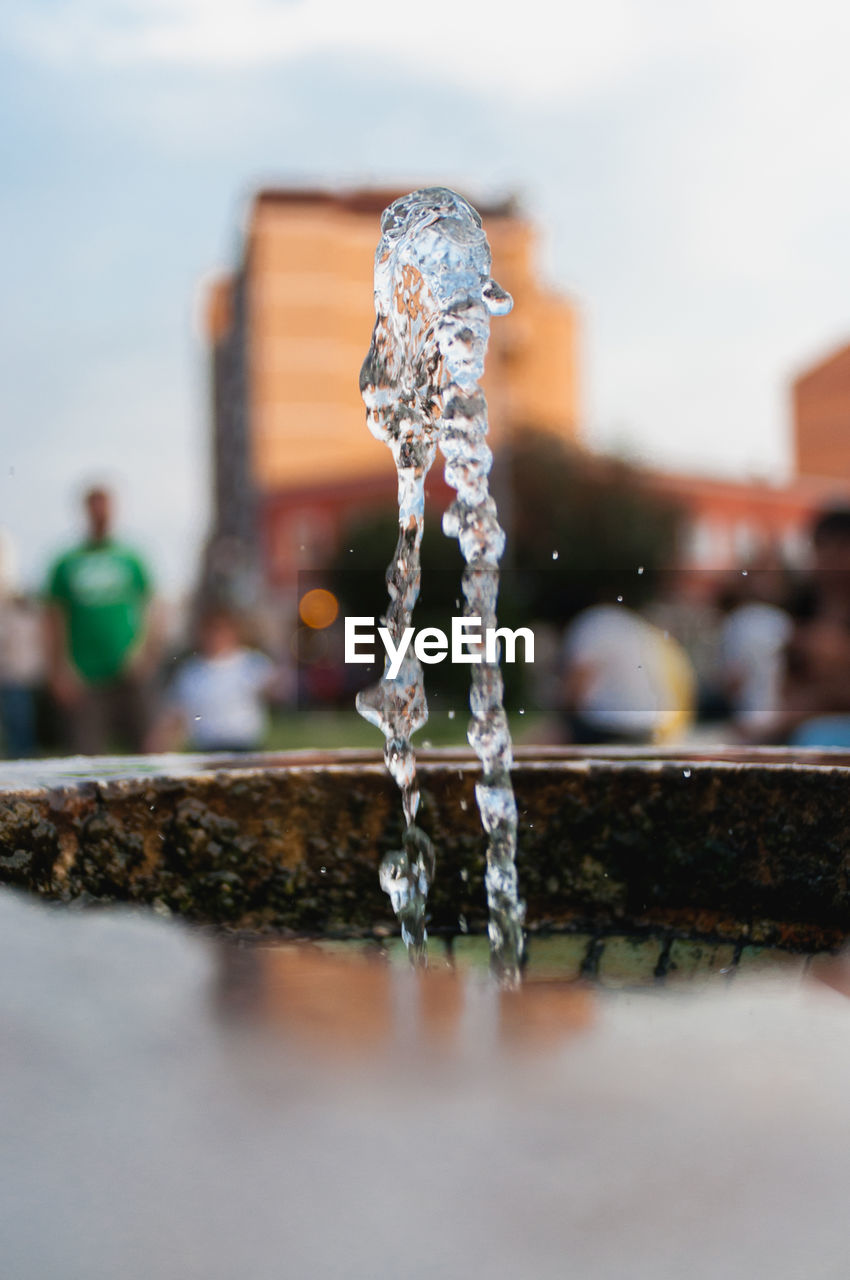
x,y
821,402
294,463
289,330
731,523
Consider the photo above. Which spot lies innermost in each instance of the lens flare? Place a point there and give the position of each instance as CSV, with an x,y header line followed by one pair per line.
x,y
318,608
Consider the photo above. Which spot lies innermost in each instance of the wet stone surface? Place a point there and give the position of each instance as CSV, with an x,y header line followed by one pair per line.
x,y
177,1107
739,853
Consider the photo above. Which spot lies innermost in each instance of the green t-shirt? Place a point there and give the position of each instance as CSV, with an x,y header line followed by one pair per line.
x,y
103,589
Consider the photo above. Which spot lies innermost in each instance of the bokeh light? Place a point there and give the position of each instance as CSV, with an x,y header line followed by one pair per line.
x,y
318,608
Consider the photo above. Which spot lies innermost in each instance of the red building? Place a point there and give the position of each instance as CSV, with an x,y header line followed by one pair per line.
x,y
730,523
288,329
821,400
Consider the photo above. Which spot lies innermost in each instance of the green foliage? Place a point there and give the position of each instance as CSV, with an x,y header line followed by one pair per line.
x,y
598,514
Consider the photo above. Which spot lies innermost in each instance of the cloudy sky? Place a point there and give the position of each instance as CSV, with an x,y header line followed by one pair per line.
x,y
687,166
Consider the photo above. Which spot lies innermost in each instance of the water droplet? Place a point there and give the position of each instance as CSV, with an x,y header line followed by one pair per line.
x,y
497,301
686,773
640,570
619,599
555,555
323,870
744,573
522,711
462,925
197,717
451,715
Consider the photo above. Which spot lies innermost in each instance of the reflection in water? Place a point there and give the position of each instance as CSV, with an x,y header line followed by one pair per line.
x,y
170,1114
360,1003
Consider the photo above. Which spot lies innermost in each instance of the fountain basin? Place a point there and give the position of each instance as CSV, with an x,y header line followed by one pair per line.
x,y
152,1131
741,848
191,1108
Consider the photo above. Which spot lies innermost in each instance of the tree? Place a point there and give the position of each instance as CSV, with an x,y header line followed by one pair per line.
x,y
581,528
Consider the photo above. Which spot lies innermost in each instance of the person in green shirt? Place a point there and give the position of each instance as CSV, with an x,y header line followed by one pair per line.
x,y
99,643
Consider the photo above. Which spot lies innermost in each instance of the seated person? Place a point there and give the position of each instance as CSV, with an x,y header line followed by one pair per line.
x,y
752,657
216,701
625,680
815,705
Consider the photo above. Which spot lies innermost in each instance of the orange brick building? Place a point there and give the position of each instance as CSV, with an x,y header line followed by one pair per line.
x,y
821,400
732,523
294,463
289,331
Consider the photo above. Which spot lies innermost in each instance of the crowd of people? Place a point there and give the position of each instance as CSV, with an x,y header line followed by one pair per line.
x,y
93,644
765,659
767,662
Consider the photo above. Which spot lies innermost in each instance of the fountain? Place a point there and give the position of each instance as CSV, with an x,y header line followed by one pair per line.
x,y
420,381
673,862
222,1099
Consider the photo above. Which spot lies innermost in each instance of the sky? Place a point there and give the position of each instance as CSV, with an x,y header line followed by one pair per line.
x,y
686,166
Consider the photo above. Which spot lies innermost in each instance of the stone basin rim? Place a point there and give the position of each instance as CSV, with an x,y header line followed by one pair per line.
x,y
31,776
723,843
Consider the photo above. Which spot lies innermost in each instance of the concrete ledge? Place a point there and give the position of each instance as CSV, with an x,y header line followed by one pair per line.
x,y
745,848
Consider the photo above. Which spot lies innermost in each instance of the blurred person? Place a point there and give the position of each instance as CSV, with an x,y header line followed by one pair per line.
x,y
21,673
826,593
752,647
217,699
100,643
625,680
681,605
815,704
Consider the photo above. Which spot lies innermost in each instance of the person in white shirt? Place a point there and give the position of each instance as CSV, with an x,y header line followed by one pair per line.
x,y
22,670
625,680
217,700
753,641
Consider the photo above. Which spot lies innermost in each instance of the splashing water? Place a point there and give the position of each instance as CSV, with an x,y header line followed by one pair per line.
x,y
433,301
